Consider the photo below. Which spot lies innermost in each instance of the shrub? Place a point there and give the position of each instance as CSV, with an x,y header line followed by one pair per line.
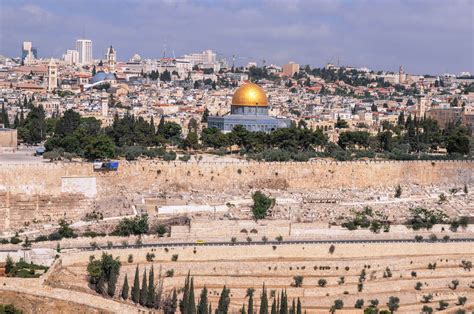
x,y
322,282
132,226
461,300
174,257
161,230
359,303
418,238
298,281
130,258
398,191
426,298
442,305
169,273
261,205
332,248
150,257
426,309
418,285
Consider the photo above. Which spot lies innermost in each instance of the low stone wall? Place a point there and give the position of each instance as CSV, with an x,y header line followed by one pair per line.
x,y
47,192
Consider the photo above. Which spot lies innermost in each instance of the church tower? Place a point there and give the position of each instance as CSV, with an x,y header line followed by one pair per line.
x,y
52,75
111,57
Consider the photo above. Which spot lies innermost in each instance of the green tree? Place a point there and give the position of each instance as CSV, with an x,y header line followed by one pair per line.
x,y
144,290
205,115
125,288
261,205
111,286
224,300
393,303
264,301
100,147
250,292
9,265
203,306
151,289
136,287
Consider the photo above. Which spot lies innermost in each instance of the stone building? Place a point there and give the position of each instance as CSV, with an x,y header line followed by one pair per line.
x,y
250,109
8,139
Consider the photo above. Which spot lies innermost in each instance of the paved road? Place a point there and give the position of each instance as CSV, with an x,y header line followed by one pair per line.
x,y
272,242
292,242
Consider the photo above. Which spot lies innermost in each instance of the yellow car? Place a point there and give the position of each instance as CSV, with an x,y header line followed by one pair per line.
x,y
200,242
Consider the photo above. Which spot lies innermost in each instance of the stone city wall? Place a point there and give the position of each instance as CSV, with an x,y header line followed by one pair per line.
x,y
49,191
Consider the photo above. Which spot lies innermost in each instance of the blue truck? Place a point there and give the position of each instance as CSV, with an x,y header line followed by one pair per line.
x,y
106,165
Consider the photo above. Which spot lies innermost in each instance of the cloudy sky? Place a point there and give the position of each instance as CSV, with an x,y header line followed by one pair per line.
x,y
425,36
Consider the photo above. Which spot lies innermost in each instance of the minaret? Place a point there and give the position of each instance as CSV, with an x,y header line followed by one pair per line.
x,y
52,75
111,57
401,76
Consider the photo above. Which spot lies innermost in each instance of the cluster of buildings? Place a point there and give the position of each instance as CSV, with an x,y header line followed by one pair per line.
x,y
194,82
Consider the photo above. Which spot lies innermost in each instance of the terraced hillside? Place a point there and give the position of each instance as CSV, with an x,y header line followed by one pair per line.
x,y
351,272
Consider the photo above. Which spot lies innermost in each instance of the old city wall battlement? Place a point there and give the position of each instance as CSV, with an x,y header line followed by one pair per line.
x,y
50,190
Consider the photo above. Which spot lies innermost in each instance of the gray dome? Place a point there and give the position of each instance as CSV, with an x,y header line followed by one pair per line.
x,y
102,76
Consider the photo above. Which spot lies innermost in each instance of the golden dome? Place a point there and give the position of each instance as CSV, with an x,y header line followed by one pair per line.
x,y
250,94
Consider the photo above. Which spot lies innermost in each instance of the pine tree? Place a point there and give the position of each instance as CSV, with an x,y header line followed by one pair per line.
x,y
151,288
144,290
298,306
125,288
203,306
136,287
264,301
274,307
111,284
192,301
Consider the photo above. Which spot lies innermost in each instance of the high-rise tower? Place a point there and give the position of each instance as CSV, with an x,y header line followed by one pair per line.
x,y
84,48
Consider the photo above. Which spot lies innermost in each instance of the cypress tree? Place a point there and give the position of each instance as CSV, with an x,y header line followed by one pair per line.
x,y
293,307
250,306
284,303
264,301
278,304
250,292
203,306
151,288
274,307
111,285
125,288
298,306
174,301
242,311
210,308
224,301
183,304
136,287
144,291
22,116
152,126
161,125
16,122
192,301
